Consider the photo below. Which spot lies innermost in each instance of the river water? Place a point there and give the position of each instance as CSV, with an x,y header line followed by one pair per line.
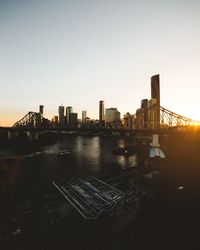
x,y
90,156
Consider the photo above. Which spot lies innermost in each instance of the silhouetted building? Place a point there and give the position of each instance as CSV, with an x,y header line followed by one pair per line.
x,y
79,123
68,111
113,118
155,88
155,94
73,120
61,114
153,114
139,118
101,112
144,105
41,109
84,116
55,119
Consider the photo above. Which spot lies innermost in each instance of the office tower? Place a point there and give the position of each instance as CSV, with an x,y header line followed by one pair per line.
x,y
101,112
144,106
139,118
155,88
61,114
84,116
41,109
153,114
155,94
73,120
68,111
112,118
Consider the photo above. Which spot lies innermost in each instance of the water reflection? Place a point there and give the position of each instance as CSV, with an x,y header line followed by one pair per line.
x,y
88,149
121,143
128,162
89,155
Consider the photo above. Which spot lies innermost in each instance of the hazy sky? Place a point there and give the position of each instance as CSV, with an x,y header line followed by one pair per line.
x,y
77,52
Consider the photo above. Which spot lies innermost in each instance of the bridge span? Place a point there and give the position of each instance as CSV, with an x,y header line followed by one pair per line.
x,y
34,124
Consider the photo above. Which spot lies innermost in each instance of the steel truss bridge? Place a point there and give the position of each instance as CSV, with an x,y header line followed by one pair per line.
x,y
33,120
171,119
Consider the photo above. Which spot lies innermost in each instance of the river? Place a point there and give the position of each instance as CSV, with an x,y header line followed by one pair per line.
x,y
89,155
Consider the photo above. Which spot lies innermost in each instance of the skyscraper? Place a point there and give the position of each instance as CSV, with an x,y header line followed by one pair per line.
x,y
68,111
155,94
73,120
41,109
61,114
101,112
144,106
155,88
84,116
153,114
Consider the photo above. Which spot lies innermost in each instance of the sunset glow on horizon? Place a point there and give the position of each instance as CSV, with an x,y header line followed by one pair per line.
x,y
76,53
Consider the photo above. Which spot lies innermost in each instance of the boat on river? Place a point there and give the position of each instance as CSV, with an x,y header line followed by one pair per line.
x,y
64,153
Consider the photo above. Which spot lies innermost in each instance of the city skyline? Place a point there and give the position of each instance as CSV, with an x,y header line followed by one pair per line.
x,y
150,115
83,52
61,114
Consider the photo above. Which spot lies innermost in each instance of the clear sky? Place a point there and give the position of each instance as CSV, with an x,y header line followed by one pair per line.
x,y
77,52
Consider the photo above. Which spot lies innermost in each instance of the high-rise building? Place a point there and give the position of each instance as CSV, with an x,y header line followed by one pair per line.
x,y
41,109
61,114
73,120
155,88
68,111
101,112
112,118
152,114
139,118
127,121
144,106
55,119
84,116
155,94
